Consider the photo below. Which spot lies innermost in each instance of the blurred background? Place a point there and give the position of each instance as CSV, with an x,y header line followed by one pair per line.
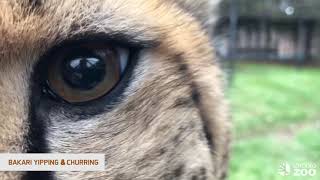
x,y
270,50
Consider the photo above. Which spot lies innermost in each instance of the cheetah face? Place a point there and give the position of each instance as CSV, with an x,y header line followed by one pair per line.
x,y
135,80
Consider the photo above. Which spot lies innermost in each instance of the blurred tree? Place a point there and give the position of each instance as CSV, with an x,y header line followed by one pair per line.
x,y
306,9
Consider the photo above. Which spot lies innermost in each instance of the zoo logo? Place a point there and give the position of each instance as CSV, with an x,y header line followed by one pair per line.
x,y
298,169
284,169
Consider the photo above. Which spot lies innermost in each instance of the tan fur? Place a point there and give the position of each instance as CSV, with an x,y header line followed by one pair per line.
x,y
149,134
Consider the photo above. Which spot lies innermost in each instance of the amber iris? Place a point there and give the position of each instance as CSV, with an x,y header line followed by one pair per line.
x,y
85,73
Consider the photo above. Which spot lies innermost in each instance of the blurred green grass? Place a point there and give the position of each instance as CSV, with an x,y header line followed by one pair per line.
x,y
276,111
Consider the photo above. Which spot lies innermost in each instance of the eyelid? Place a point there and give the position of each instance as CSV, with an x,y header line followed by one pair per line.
x,y
119,39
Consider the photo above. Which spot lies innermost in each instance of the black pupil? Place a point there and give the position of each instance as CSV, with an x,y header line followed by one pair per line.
x,y
83,71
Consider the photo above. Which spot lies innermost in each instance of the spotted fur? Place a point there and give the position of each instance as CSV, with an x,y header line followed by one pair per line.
x,y
170,120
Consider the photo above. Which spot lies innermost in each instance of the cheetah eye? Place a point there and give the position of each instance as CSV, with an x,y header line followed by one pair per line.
x,y
83,73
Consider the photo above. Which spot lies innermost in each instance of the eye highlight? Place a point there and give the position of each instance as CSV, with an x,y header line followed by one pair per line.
x,y
85,72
